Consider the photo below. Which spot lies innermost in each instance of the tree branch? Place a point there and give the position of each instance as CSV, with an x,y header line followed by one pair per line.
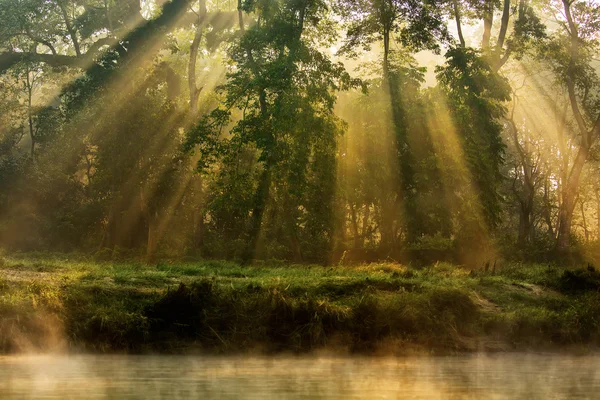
x,y
137,38
70,28
39,40
10,58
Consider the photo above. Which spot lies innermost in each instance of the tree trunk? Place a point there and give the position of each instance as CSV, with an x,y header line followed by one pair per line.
x,y
365,224
457,18
488,20
503,27
585,228
524,225
386,53
70,29
109,236
295,245
527,198
198,221
260,202
199,211
567,207
355,231
548,212
565,221
598,215
193,87
241,16
29,85
152,236
194,90
30,116
149,220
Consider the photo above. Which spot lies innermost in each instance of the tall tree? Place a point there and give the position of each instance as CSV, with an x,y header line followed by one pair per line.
x,y
519,27
570,52
281,78
414,26
476,96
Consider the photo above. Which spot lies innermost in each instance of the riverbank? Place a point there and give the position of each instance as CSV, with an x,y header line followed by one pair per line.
x,y
61,303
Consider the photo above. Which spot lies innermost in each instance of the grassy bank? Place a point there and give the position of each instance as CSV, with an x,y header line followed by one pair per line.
x,y
63,303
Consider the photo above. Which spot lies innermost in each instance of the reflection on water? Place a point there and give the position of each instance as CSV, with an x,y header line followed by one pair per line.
x,y
503,376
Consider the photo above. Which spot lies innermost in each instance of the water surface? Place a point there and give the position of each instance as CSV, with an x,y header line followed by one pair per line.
x,y
502,376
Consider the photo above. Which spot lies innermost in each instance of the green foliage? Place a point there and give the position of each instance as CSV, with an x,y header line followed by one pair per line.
x,y
476,95
418,25
278,152
574,61
529,30
278,101
224,307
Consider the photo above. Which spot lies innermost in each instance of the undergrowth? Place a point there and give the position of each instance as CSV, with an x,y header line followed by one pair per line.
x,y
224,307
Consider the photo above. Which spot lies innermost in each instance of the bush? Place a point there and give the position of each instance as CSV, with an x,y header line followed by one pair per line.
x,y
580,280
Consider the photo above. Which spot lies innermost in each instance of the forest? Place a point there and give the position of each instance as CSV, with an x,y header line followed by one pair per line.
x,y
360,176
306,131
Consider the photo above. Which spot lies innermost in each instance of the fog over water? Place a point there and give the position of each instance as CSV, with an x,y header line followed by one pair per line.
x,y
502,376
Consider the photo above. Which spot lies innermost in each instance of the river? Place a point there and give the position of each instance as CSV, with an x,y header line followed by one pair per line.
x,y
497,376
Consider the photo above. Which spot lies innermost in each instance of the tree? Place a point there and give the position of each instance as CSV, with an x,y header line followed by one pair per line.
x,y
476,96
281,78
527,27
415,26
570,52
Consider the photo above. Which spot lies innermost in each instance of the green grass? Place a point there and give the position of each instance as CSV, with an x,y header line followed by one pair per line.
x,y
52,300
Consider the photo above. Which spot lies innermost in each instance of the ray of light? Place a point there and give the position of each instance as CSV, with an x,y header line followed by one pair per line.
x,y
124,85
457,180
